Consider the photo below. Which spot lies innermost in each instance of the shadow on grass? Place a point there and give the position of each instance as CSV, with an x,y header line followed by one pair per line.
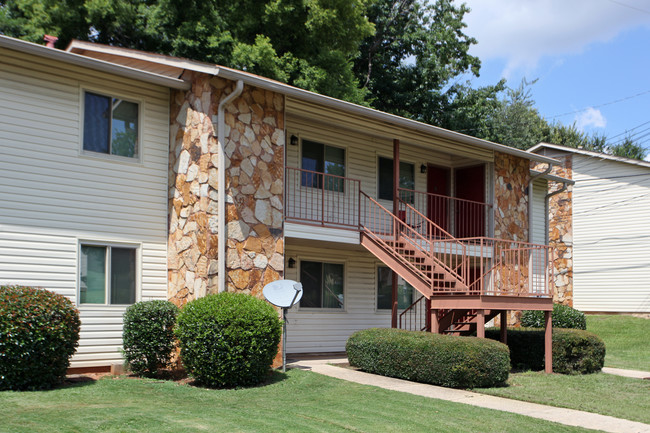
x,y
274,377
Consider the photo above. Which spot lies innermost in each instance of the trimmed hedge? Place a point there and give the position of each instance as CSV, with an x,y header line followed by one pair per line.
x,y
39,332
228,339
457,362
574,351
563,317
148,337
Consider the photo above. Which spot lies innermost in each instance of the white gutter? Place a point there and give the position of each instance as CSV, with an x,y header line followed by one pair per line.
x,y
546,207
221,188
91,63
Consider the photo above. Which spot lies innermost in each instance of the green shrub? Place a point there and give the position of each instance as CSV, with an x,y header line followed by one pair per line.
x,y
228,339
458,362
39,332
148,337
563,317
574,351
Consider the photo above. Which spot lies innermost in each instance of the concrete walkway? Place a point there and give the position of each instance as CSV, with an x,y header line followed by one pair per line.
x,y
635,374
563,416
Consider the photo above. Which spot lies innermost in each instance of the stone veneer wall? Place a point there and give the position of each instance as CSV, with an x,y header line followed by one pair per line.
x,y
560,231
254,147
512,175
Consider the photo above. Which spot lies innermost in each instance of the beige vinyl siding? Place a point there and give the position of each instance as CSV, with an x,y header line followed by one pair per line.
x,y
314,330
312,112
538,229
53,196
611,235
362,152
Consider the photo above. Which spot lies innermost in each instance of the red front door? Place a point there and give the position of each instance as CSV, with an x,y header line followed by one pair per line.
x,y
437,205
469,213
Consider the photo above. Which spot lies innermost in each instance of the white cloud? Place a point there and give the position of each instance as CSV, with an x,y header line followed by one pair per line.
x,y
523,31
591,117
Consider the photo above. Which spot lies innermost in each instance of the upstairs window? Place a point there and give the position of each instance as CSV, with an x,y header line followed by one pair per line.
x,y
322,158
322,285
111,125
406,179
107,274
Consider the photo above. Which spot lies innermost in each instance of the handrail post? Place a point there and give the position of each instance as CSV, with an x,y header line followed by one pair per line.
x,y
359,206
322,198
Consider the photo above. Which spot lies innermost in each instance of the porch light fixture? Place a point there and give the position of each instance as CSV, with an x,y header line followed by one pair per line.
x,y
293,140
292,263
423,168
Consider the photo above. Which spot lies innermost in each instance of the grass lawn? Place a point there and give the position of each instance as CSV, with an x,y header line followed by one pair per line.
x,y
601,393
299,401
626,339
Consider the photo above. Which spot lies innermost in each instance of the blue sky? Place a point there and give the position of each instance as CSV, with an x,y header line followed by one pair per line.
x,y
586,54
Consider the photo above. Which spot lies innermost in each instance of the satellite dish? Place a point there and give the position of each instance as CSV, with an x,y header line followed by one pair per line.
x,y
283,293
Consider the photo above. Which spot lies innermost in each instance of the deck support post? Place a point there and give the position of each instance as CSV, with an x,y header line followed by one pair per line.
x,y
393,320
396,228
548,342
480,323
427,317
503,318
435,323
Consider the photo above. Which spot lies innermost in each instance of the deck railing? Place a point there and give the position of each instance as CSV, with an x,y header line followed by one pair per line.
x,y
481,265
321,199
459,217
416,316
500,267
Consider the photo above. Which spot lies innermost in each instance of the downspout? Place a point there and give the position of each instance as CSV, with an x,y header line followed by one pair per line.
x,y
546,227
546,209
221,188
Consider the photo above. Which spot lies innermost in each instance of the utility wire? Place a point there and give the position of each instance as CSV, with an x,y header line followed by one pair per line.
x,y
630,6
601,105
629,130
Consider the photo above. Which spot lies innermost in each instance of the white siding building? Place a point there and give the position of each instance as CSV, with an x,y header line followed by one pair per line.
x,y
121,182
610,239
58,198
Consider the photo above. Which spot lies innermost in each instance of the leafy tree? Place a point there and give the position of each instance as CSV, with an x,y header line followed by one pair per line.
x,y
307,43
628,149
517,122
412,64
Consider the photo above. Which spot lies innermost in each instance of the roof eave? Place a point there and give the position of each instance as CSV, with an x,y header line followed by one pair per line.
x,y
90,63
306,95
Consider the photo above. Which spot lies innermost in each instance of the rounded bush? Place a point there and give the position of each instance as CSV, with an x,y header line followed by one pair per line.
x,y
563,317
575,351
457,362
148,337
39,332
228,339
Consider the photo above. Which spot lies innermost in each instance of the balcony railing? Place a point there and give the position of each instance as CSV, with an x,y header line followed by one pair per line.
x,y
321,199
500,267
459,217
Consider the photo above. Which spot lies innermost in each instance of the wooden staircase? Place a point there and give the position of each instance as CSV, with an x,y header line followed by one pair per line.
x,y
461,322
407,252
462,281
419,260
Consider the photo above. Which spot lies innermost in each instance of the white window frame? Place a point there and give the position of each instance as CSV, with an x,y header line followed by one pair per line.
x,y
401,160
137,160
109,244
325,144
299,261
414,295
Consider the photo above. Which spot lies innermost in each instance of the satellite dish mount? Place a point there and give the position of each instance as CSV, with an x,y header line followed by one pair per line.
x,y
284,294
